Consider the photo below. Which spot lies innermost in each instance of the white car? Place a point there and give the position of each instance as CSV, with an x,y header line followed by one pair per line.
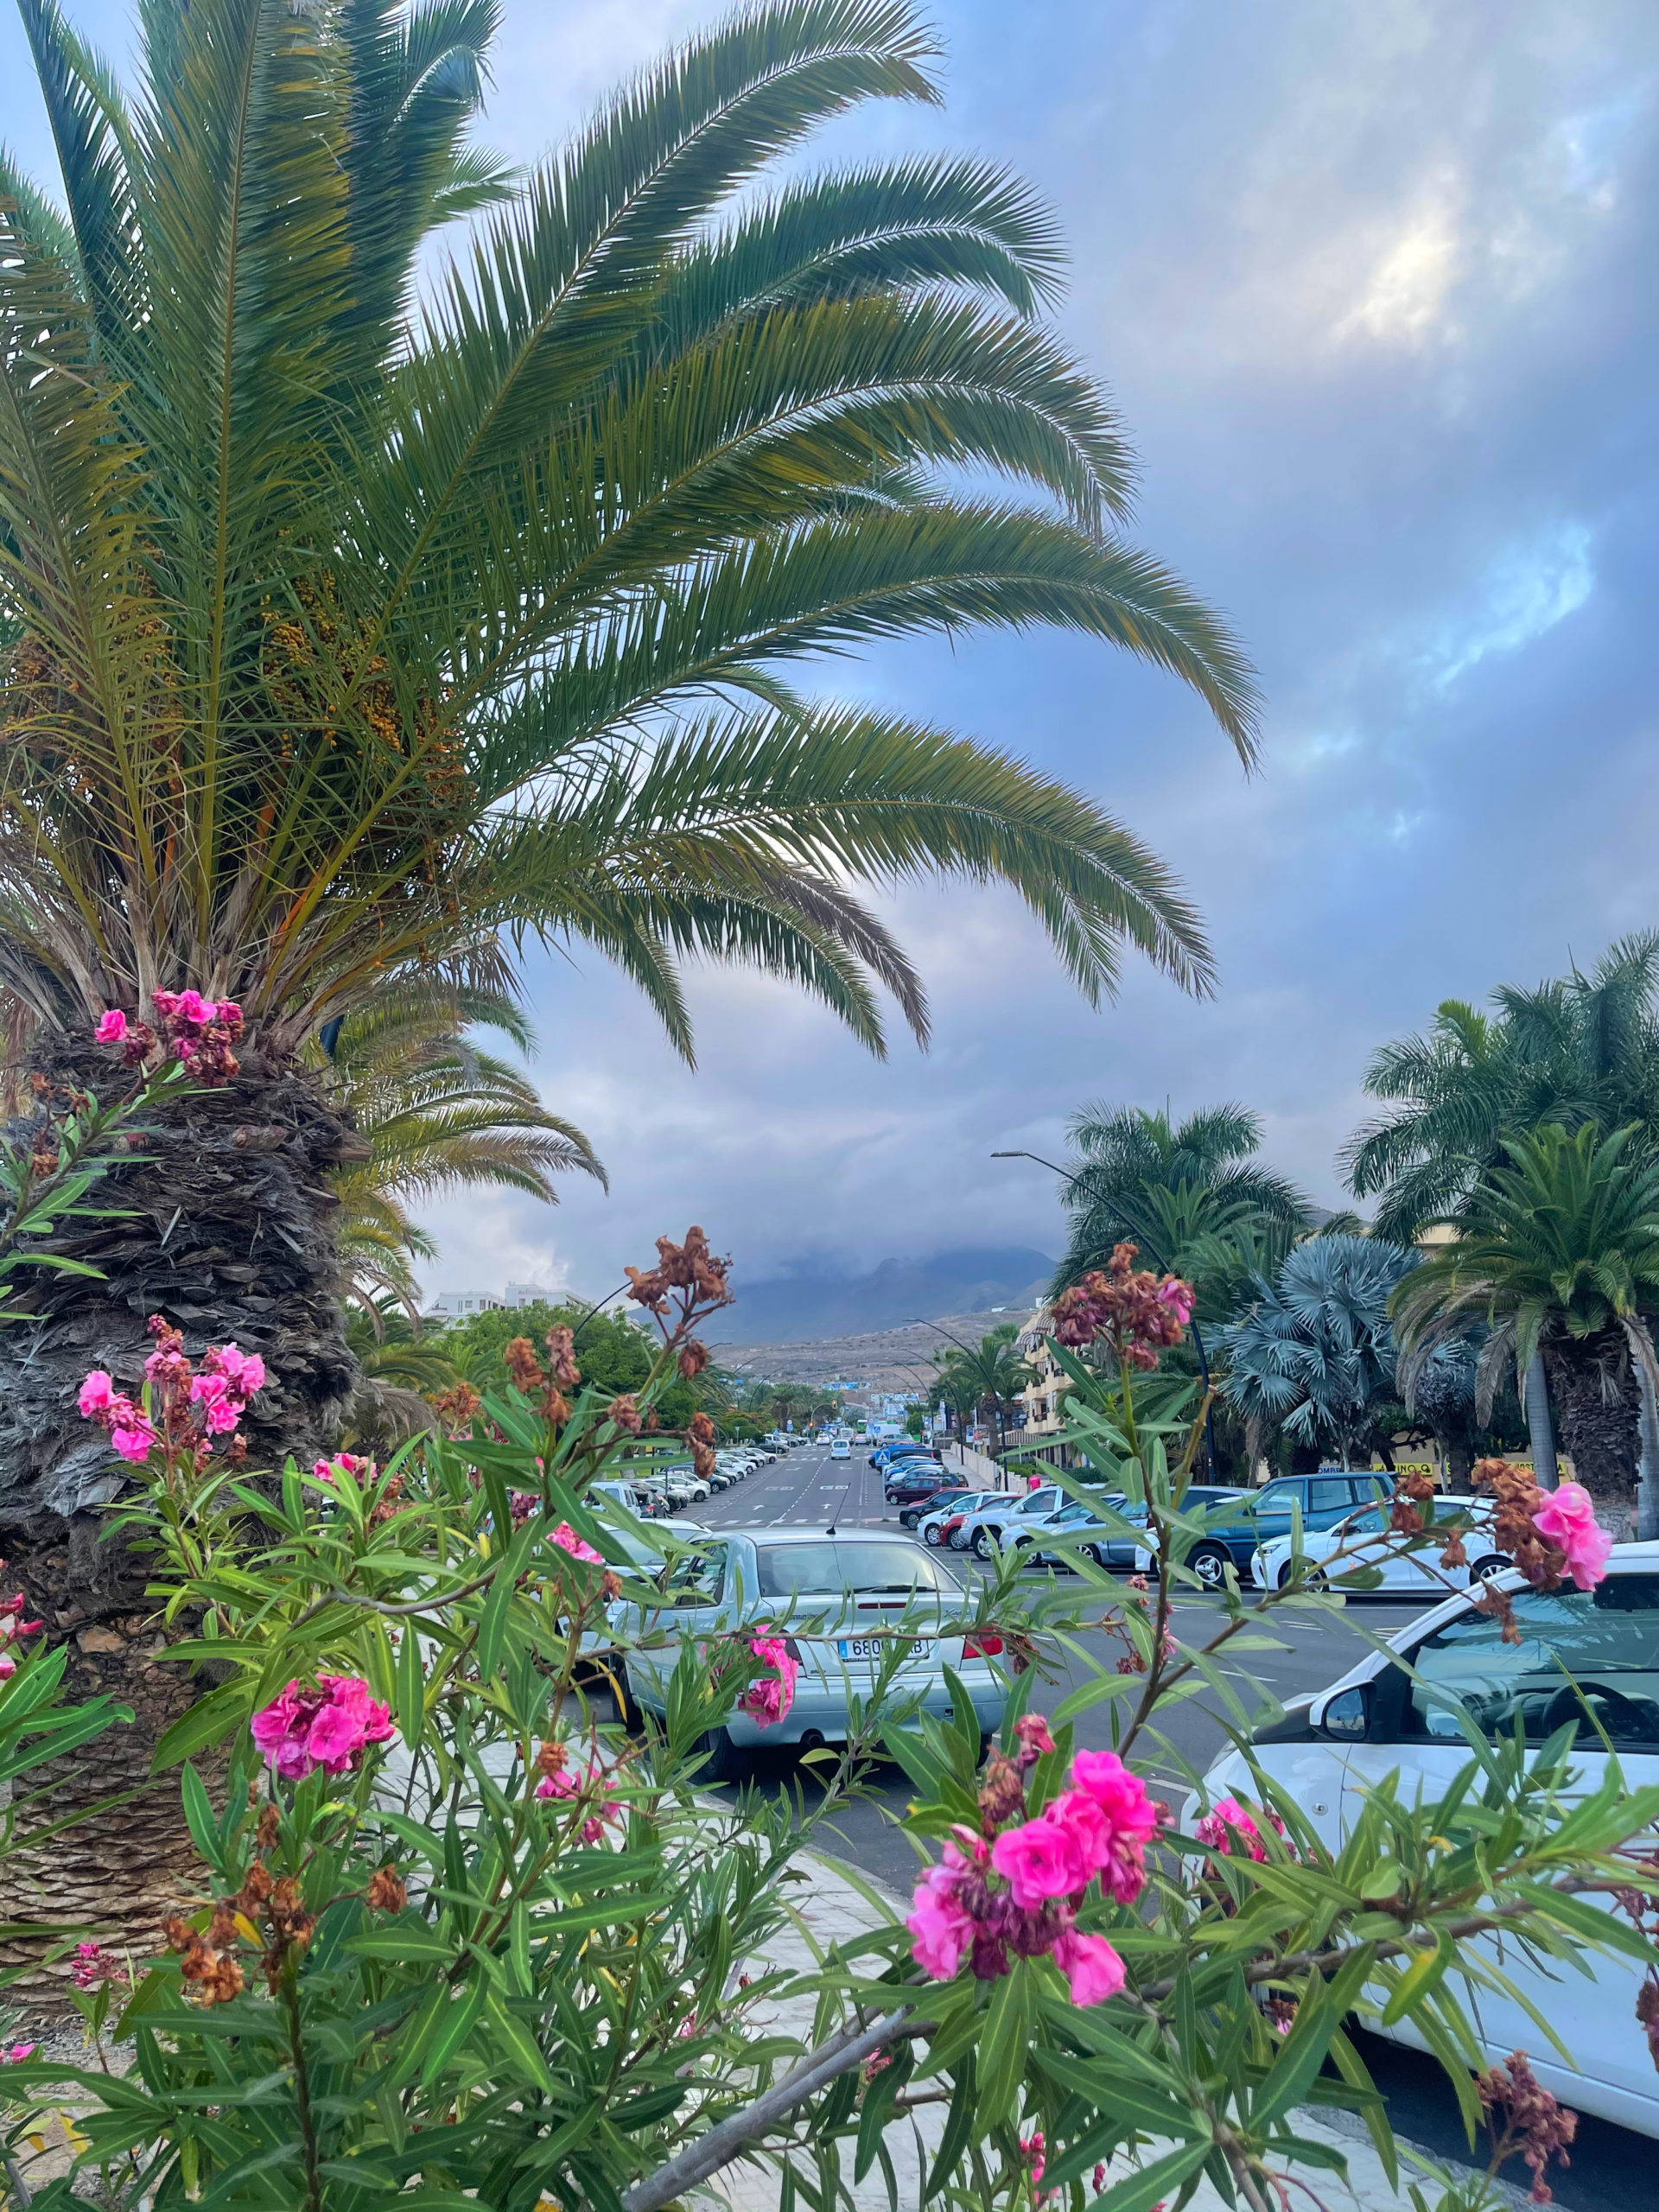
x,y
982,1532
1417,1573
1378,1721
841,1449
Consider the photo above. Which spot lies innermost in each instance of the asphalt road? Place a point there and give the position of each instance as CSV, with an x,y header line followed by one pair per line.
x,y
1611,2170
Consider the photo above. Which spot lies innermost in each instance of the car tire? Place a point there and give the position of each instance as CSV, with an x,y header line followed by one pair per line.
x,y
1209,1563
981,1543
959,1540
931,1534
1483,1570
724,1761
1315,1578
1096,1552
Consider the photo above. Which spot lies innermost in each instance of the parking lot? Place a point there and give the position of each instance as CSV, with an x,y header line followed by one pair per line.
x,y
1611,2168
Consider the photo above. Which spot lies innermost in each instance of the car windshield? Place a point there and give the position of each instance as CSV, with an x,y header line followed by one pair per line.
x,y
826,1567
1598,1649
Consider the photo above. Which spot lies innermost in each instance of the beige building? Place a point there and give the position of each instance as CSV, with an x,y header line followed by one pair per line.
x,y
1043,1396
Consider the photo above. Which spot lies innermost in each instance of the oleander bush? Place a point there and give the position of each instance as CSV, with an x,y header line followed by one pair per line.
x,y
462,1938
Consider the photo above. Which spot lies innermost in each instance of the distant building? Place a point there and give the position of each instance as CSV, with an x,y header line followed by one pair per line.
x,y
1043,1396
456,1305
518,1295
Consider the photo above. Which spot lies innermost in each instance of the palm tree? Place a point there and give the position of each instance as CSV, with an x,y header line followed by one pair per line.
x,y
1315,1355
1579,1050
343,632
984,1377
1558,1251
438,1115
1185,1190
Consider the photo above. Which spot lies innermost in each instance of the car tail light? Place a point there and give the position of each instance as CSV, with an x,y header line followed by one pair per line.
x,y
793,1648
985,1644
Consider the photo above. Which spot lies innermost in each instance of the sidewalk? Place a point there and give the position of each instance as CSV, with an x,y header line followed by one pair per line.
x,y
833,1909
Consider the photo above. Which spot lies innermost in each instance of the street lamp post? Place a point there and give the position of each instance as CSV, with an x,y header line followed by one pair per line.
x,y
1071,1183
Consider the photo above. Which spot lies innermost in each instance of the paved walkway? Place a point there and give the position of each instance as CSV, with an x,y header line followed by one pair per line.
x,y
832,1909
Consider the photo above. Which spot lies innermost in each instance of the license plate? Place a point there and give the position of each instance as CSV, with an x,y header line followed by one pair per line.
x,y
872,1647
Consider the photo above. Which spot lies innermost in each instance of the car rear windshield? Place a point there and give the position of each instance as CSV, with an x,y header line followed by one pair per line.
x,y
822,1568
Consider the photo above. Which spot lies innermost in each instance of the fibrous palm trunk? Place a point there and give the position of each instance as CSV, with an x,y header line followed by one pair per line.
x,y
228,1234
1592,1388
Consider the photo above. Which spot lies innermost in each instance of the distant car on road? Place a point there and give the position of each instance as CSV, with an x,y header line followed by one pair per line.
x,y
982,1530
911,1512
841,1449
837,1600
942,1521
1072,1519
885,1454
917,1479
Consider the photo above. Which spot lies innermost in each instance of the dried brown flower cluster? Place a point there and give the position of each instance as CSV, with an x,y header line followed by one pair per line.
x,y
1513,1530
1526,2121
687,1282
700,1434
546,1385
1138,1314
456,1408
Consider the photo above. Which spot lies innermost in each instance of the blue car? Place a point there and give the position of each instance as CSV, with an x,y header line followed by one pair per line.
x,y
1262,1516
826,1595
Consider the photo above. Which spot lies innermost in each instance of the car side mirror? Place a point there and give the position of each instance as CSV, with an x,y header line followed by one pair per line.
x,y
1347,1716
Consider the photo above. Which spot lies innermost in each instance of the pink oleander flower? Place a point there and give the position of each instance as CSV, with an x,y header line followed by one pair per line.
x,y
1567,1517
1032,2149
942,1929
190,1006
1130,1813
8,1666
590,1784
1031,1730
166,1003
326,1727
1091,1967
230,1013
113,1028
18,2053
1229,1823
133,1441
97,1394
1178,1296
1039,1859
222,1418
568,1541
244,1371
767,1700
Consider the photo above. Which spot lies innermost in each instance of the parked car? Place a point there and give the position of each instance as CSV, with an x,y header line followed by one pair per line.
x,y
1419,1573
1072,1518
941,1520
826,1595
885,1454
982,1530
934,1501
917,1479
1379,1722
1261,1517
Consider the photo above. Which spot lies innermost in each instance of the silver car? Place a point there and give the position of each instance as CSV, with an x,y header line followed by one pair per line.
x,y
831,1597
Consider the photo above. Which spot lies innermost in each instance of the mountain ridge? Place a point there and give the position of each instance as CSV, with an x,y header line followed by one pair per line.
x,y
809,1301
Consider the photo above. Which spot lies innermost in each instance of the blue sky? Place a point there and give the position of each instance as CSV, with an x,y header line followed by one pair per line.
x,y
1372,285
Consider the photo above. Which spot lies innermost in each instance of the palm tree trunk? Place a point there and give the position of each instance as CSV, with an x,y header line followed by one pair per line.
x,y
1545,1472
228,1234
1593,1388
1647,1494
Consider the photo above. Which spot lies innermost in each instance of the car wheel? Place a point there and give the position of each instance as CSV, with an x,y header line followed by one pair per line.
x,y
1314,1578
724,1761
931,1534
981,1543
1484,1569
1096,1552
1209,1562
959,1540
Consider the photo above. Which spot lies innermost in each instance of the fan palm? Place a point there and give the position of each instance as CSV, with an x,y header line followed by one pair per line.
x,y
346,634
985,1377
438,1115
1558,1250
1187,1191
1315,1354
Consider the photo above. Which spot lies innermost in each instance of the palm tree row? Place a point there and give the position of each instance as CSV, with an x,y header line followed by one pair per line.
x,y
360,626
1523,1145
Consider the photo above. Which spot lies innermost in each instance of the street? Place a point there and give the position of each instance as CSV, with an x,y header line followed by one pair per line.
x,y
807,1488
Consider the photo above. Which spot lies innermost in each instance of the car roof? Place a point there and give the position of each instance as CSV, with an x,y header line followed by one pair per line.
x,y
841,1536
